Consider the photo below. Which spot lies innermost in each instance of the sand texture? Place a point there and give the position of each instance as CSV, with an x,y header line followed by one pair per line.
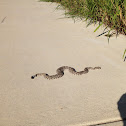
x,y
35,38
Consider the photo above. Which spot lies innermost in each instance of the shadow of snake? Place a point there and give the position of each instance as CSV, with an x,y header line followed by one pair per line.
x,y
60,72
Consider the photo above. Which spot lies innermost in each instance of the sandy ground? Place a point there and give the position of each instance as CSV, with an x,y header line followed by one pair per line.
x,y
35,38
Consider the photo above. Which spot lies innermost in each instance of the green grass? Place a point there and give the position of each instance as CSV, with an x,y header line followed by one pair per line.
x,y
110,13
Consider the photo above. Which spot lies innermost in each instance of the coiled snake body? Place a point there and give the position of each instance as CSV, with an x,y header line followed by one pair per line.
x,y
60,72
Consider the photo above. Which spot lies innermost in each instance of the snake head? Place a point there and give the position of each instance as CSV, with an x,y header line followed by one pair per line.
x,y
32,77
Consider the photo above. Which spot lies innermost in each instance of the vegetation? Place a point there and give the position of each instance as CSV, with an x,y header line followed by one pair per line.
x,y
112,13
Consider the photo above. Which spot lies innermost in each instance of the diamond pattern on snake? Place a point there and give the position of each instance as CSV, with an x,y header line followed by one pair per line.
x,y
60,72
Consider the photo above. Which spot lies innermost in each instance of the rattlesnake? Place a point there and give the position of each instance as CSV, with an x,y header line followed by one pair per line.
x,y
60,72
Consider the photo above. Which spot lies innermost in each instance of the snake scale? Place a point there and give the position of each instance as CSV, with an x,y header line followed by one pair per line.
x,y
60,72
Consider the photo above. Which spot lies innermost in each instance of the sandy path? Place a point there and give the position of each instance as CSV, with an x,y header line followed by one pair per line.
x,y
33,39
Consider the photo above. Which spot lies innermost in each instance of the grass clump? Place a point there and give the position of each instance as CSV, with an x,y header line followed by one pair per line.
x,y
111,13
